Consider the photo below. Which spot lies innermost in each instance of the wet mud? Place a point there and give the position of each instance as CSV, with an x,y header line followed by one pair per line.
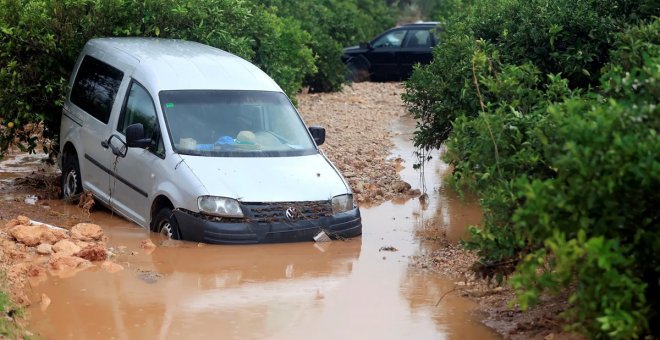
x,y
362,288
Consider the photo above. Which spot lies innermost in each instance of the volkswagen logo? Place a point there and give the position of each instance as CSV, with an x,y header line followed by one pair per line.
x,y
292,213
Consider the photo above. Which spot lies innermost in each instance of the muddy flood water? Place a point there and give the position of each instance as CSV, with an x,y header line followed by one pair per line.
x,y
337,290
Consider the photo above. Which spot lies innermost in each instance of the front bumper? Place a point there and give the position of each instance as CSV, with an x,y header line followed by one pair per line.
x,y
200,229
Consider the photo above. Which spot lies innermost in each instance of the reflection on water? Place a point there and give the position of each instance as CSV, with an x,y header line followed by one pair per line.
x,y
342,289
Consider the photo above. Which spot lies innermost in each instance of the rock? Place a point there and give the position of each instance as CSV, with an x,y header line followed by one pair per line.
x,y
36,274
44,303
147,245
81,244
94,252
44,249
33,270
66,247
14,222
86,232
111,267
65,265
34,235
23,220
414,192
401,186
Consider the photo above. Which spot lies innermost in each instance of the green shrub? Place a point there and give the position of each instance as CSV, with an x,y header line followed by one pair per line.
x,y
8,328
40,39
565,37
598,216
550,113
334,24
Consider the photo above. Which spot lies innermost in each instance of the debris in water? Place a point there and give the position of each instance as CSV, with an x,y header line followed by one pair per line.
x,y
148,246
150,277
388,248
86,201
322,237
67,266
111,267
45,302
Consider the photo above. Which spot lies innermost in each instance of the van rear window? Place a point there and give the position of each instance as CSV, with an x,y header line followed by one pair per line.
x,y
95,87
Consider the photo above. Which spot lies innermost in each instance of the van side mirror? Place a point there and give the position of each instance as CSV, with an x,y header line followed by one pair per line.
x,y
318,133
135,136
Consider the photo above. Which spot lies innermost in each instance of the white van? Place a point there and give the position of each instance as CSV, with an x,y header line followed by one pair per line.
x,y
198,144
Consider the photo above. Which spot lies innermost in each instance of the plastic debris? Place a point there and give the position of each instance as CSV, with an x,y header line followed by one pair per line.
x,y
322,237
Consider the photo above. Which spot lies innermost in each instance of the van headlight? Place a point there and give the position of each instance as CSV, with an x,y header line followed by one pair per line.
x,y
342,203
219,206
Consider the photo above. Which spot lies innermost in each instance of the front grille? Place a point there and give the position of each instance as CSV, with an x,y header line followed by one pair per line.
x,y
277,212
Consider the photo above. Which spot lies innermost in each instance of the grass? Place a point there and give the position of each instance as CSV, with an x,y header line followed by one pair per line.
x,y
8,328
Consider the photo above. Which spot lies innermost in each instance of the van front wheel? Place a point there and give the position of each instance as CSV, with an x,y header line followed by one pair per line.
x,y
165,224
71,182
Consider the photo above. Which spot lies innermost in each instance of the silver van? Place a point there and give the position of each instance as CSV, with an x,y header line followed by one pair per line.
x,y
198,144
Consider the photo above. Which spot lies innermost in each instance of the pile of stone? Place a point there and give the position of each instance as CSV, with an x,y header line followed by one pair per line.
x,y
30,250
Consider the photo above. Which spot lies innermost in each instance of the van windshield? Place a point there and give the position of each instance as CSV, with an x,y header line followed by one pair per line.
x,y
234,124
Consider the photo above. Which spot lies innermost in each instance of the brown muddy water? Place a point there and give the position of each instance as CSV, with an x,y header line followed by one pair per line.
x,y
341,289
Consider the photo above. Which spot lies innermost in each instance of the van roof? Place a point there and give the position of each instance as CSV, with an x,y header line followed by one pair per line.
x,y
169,64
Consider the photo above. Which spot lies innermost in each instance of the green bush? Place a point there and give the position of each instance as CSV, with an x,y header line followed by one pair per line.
x,y
333,25
40,39
550,113
598,216
8,312
565,37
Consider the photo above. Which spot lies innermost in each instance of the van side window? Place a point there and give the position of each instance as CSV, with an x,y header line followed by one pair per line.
x,y
95,87
139,108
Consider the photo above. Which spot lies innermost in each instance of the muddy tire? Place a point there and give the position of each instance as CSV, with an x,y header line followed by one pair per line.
x,y
165,223
71,182
356,72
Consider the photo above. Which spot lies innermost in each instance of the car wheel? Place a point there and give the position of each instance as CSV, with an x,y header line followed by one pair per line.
x,y
71,182
165,223
357,73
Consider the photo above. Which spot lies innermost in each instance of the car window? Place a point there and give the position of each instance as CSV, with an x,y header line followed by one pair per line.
x,y
418,38
392,39
140,108
95,87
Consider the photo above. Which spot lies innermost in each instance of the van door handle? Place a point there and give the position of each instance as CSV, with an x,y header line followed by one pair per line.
x,y
104,144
